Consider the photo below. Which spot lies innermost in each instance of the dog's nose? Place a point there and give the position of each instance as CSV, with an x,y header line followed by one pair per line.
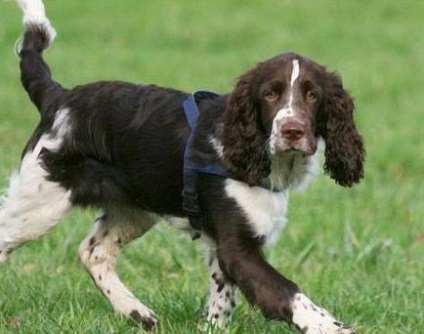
x,y
292,131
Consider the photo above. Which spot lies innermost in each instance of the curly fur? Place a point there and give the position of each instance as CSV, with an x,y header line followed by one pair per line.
x,y
245,154
344,149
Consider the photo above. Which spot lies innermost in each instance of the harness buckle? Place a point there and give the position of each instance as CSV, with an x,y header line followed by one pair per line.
x,y
191,203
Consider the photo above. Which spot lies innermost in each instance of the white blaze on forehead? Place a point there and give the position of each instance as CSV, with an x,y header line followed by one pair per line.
x,y
287,110
294,76
295,72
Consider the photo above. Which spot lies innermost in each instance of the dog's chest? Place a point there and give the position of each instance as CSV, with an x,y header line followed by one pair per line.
x,y
265,210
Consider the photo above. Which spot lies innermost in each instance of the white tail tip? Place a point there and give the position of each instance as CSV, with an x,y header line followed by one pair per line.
x,y
35,14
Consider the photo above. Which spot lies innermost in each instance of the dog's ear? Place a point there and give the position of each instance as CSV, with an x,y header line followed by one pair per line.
x,y
244,140
344,148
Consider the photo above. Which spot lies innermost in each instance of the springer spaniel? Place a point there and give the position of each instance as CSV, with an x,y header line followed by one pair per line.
x,y
120,147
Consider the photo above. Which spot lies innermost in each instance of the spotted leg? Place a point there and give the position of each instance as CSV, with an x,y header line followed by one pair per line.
x,y
312,319
99,251
222,295
276,296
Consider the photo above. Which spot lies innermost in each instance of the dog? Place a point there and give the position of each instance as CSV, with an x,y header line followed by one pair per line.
x,y
222,171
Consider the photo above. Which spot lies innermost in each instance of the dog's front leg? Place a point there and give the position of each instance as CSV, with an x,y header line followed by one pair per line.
x,y
261,284
276,296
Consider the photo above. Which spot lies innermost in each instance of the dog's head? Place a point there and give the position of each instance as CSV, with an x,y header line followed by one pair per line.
x,y
285,105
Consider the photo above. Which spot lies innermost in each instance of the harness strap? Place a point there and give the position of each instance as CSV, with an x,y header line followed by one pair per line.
x,y
191,168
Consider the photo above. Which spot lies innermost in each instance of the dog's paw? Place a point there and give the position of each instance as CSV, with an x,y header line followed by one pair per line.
x,y
311,319
3,254
211,328
146,319
331,328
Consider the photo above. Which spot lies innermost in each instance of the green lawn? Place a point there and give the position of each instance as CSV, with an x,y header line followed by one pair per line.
x,y
359,252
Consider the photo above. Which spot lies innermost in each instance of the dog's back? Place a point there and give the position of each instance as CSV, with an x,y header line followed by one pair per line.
x,y
118,140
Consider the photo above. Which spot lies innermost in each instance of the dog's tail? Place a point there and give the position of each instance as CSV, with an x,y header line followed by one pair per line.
x,y
38,36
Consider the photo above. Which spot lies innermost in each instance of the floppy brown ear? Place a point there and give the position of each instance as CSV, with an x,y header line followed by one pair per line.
x,y
244,140
344,148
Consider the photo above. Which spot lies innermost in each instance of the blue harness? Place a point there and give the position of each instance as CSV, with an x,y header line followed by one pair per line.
x,y
191,167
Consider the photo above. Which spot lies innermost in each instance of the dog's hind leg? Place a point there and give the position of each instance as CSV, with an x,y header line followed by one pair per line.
x,y
33,204
222,294
99,251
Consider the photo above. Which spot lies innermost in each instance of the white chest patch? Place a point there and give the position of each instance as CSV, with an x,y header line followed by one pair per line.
x,y
265,210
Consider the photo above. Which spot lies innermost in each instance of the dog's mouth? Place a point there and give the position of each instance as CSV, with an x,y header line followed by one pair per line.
x,y
293,151
301,149
280,146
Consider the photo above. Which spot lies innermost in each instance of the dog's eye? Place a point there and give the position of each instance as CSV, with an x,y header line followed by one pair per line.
x,y
311,96
271,95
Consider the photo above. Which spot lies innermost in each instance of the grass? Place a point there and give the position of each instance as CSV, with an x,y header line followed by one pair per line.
x,y
359,252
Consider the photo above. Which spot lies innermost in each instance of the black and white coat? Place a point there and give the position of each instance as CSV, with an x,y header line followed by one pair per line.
x,y
119,147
